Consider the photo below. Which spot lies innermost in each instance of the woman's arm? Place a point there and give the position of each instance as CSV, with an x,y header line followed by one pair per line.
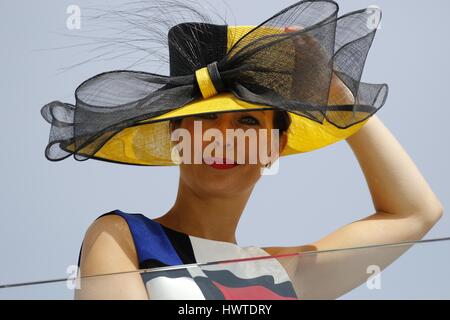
x,y
405,206
108,248
405,210
396,185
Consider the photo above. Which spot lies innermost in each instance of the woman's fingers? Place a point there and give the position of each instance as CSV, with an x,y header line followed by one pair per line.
x,y
306,41
293,28
312,71
300,39
303,38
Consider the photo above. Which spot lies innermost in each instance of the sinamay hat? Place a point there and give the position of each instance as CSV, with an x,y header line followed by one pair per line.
x,y
124,116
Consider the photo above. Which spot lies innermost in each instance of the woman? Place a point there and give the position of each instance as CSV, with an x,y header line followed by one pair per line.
x,y
201,225
405,210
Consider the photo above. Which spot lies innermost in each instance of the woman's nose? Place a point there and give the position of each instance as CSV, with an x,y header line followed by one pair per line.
x,y
223,143
223,123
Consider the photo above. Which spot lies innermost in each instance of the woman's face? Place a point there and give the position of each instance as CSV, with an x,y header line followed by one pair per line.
x,y
237,136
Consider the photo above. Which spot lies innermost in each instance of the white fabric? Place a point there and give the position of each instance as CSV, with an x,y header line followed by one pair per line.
x,y
206,250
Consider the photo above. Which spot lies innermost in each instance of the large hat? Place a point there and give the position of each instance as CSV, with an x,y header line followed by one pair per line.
x,y
312,72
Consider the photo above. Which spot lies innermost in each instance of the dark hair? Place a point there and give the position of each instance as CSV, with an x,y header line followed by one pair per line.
x,y
281,121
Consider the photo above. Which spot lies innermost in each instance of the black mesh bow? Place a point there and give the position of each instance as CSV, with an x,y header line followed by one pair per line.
x,y
293,71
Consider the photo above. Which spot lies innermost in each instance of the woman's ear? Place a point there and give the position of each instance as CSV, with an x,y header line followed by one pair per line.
x,y
283,141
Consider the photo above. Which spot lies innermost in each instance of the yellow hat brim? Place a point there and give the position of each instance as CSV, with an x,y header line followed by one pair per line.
x,y
148,142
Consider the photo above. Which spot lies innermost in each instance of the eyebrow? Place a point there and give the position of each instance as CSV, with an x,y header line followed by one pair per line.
x,y
259,111
263,114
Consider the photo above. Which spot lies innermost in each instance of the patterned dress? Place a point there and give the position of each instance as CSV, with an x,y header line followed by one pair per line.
x,y
254,277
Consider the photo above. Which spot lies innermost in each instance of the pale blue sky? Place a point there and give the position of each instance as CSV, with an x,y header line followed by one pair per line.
x,y
47,206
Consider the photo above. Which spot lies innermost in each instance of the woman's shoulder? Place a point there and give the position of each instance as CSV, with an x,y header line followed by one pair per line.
x,y
116,222
110,224
106,220
108,246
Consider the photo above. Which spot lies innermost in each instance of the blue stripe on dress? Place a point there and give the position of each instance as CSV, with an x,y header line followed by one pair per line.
x,y
150,240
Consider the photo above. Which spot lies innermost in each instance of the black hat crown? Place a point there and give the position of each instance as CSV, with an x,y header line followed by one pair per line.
x,y
195,45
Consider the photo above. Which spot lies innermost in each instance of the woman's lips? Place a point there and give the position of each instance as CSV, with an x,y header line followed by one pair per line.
x,y
223,166
220,164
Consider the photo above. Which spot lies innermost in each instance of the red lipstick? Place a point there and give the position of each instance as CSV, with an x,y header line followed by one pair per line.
x,y
220,164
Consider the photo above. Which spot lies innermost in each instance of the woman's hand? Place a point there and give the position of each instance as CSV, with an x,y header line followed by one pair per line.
x,y
314,80
312,70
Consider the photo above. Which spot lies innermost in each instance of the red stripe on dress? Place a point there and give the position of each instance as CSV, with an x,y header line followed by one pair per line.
x,y
250,293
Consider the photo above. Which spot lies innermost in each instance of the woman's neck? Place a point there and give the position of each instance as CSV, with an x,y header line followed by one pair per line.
x,y
205,215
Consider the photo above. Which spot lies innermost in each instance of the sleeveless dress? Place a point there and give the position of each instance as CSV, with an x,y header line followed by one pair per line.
x,y
159,246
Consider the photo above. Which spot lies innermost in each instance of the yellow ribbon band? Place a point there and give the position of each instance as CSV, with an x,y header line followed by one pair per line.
x,y
205,83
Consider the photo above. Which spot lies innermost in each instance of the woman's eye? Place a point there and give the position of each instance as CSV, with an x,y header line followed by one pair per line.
x,y
249,120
